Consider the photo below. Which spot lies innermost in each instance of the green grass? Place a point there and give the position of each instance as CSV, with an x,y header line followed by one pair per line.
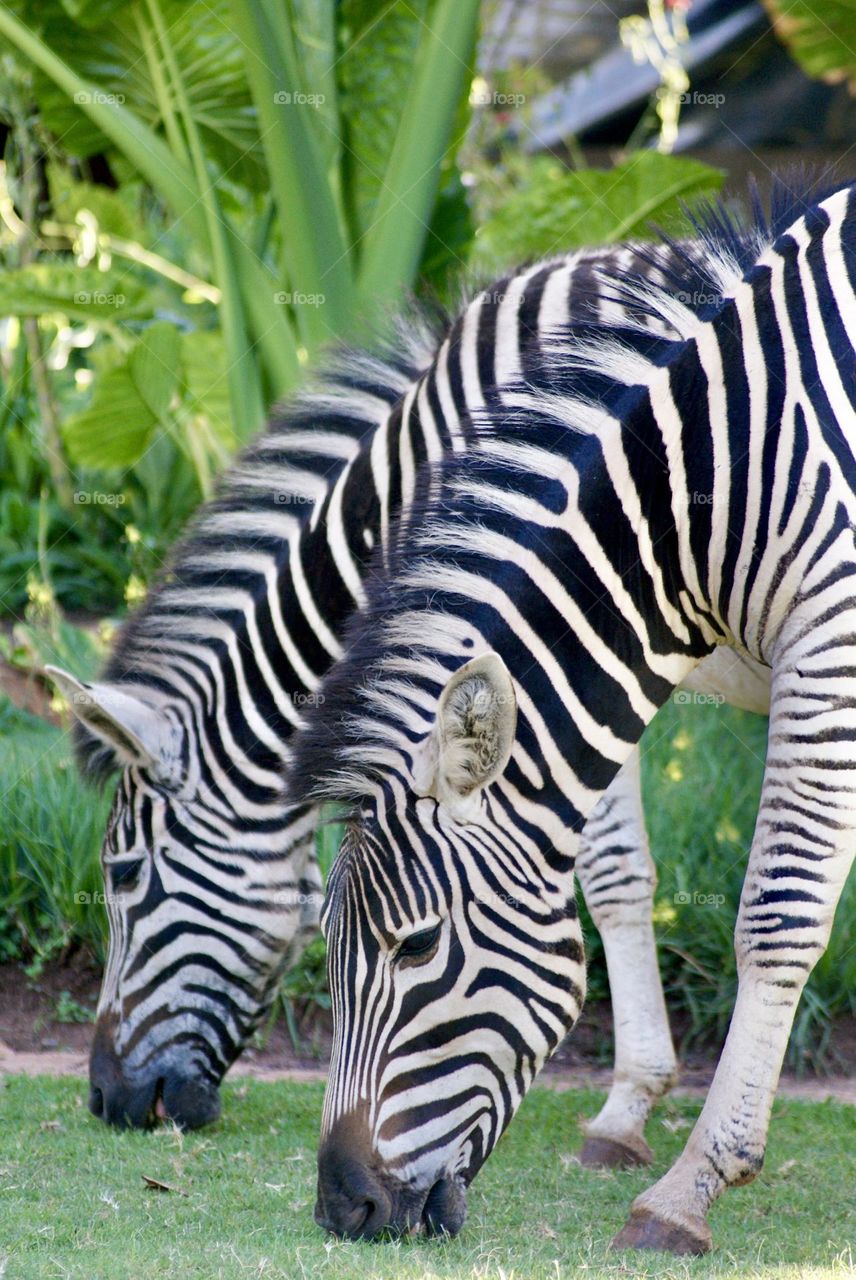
x,y
73,1203
51,828
702,768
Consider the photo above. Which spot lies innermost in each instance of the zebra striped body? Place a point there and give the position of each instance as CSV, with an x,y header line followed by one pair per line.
x,y
649,500
209,874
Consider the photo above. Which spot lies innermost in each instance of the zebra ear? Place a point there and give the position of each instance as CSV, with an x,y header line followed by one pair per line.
x,y
472,737
137,733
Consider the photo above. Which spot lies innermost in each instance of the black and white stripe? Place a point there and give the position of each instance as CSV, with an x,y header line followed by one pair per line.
x,y
210,877
641,502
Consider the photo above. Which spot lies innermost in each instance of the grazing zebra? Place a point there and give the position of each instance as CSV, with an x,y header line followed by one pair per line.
x,y
652,499
209,876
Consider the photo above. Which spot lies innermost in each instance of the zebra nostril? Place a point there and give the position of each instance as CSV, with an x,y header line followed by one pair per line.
x,y
368,1217
360,1216
96,1101
445,1208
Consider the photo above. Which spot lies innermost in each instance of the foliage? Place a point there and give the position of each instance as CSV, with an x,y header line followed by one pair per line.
x,y
821,38
51,888
302,995
703,768
243,1194
167,314
544,208
69,1010
231,115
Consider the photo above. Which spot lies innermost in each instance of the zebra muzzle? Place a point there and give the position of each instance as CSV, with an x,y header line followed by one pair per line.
x,y
359,1199
139,1100
445,1209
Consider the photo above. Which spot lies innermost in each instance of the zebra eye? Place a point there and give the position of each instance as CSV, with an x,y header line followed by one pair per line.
x,y
124,875
418,944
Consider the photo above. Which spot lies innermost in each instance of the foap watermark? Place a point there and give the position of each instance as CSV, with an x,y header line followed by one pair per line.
x,y
86,97
290,898
487,97
292,98
683,898
686,697
695,99
97,899
498,900
698,298
283,499
308,698
98,299
494,297
96,498
294,298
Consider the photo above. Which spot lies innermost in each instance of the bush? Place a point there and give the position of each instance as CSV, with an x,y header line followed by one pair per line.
x,y
51,828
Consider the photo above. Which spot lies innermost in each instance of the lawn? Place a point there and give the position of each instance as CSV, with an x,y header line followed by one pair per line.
x,y
73,1202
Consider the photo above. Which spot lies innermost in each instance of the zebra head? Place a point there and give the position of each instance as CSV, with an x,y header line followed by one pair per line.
x,y
198,937
455,966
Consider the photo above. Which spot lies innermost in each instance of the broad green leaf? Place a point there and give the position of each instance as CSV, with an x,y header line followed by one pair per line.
x,y
175,183
450,237
822,37
154,366
81,293
117,426
115,58
556,210
203,357
317,257
93,13
441,72
315,43
380,44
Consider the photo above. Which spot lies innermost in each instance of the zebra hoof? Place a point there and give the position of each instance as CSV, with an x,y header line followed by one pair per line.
x,y
644,1230
606,1153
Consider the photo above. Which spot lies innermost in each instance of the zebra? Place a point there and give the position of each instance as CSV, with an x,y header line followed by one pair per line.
x,y
562,580
211,885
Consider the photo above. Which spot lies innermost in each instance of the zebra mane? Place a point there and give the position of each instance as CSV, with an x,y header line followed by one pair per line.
x,y
264,499
379,699
699,275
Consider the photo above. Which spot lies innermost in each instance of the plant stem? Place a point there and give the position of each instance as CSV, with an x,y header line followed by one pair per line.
x,y
50,430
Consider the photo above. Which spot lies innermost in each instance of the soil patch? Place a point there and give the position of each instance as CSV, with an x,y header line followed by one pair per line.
x,y
36,1040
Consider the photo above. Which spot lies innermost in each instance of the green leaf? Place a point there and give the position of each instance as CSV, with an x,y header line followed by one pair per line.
x,y
93,13
441,71
314,24
449,239
317,259
556,210
203,357
115,60
822,38
81,293
375,71
174,181
154,366
115,430
394,242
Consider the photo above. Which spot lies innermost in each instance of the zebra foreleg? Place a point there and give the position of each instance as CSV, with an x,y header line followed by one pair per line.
x,y
618,879
800,856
